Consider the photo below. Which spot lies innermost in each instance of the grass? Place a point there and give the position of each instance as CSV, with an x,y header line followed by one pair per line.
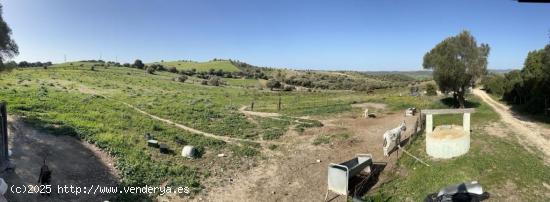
x,y
492,161
226,66
62,100
71,99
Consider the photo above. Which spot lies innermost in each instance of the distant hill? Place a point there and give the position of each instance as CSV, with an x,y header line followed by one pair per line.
x,y
224,65
500,71
419,75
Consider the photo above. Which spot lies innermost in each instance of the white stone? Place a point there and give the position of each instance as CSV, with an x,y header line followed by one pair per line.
x,y
221,155
189,151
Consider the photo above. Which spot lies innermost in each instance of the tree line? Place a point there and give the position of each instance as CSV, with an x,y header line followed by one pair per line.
x,y
528,88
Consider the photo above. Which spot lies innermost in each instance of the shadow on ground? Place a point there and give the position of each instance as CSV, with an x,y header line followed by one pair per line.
x,y
71,161
362,183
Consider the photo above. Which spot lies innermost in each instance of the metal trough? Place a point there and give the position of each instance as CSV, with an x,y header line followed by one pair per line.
x,y
340,174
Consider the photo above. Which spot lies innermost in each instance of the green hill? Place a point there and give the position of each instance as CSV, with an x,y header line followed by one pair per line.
x,y
224,65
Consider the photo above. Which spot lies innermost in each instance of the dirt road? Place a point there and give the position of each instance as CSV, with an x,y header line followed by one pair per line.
x,y
528,131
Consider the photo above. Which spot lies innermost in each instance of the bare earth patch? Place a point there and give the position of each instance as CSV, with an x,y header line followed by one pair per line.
x,y
293,173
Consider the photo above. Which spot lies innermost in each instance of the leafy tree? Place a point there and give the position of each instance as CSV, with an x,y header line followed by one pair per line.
x,y
138,64
272,83
431,89
457,63
8,47
494,84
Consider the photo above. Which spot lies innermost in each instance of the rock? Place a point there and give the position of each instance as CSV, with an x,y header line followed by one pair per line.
x,y
221,155
273,192
189,151
318,160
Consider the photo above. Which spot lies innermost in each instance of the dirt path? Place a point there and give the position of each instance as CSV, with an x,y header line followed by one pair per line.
x,y
72,162
86,90
260,114
529,132
297,171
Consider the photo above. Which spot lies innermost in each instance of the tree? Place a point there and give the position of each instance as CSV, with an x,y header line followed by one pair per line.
x,y
272,83
8,47
138,64
431,89
457,63
494,84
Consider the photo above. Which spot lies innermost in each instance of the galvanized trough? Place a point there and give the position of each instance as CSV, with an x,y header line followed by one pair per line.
x,y
340,174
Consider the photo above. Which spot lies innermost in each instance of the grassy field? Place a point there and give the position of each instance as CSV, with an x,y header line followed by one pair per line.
x,y
226,66
75,100
89,104
501,165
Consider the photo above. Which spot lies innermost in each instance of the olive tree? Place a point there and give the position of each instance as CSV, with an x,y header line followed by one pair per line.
x,y
8,47
457,63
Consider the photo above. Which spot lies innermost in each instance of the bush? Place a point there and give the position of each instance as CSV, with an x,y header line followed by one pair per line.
x,y
173,69
181,78
150,70
92,68
272,83
431,89
204,82
214,81
289,88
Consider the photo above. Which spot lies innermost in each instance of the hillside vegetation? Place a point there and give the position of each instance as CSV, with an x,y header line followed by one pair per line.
x,y
224,65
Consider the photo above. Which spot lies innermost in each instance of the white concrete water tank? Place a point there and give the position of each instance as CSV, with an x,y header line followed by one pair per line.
x,y
447,141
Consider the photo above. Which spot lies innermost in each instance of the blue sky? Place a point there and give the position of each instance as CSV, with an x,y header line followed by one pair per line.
x,y
317,34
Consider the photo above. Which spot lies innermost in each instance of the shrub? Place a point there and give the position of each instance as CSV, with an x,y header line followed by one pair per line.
x,y
431,89
150,70
204,82
272,83
181,78
289,88
214,81
173,69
